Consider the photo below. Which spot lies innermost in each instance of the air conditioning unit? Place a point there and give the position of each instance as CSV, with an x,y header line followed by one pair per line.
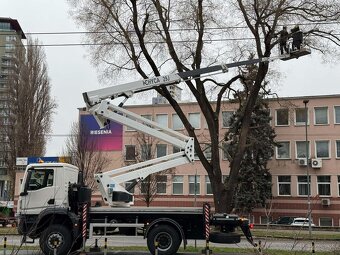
x,y
325,202
316,163
302,162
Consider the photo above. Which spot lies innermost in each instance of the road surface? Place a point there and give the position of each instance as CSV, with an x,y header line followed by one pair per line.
x,y
127,241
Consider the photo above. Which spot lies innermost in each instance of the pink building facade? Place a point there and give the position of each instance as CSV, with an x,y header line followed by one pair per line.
x,y
288,166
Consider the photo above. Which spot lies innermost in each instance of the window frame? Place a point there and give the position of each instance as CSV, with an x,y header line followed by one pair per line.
x,y
298,183
223,122
295,116
289,151
199,119
190,183
162,115
173,118
276,118
328,183
178,182
327,115
161,182
296,150
166,149
130,145
284,183
334,111
337,148
208,186
316,149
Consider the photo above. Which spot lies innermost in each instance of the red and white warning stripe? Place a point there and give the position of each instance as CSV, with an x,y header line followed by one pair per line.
x,y
84,220
206,209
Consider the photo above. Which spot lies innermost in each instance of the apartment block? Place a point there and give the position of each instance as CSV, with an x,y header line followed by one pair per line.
x,y
11,35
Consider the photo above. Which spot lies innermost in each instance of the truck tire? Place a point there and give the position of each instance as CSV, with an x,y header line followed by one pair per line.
x,y
220,237
167,237
56,233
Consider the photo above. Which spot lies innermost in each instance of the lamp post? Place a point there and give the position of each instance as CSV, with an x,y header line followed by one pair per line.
x,y
309,213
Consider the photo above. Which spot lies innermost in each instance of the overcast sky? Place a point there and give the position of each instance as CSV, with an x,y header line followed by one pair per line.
x,y
72,74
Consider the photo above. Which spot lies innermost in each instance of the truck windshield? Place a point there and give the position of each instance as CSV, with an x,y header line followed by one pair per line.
x,y
40,178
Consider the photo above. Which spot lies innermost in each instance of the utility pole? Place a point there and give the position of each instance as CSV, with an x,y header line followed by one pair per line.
x,y
308,176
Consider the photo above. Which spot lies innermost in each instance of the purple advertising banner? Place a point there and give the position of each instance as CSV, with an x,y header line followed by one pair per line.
x,y
109,138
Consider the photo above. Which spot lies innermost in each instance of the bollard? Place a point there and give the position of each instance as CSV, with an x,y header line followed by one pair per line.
x,y
96,248
5,245
260,247
156,248
105,246
313,247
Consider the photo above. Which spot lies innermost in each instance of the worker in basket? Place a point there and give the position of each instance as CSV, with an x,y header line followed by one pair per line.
x,y
283,40
297,38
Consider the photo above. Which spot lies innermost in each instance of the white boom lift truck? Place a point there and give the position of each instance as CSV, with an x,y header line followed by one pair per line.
x,y
54,204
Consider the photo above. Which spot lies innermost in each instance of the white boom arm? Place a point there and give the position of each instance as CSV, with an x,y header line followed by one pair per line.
x,y
110,182
98,104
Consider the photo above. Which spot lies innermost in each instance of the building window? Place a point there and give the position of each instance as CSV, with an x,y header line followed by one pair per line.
x,y
130,152
265,219
339,185
324,185
225,151
325,222
282,117
195,120
176,122
300,116
207,152
127,185
208,186
9,46
303,186
194,189
321,115
337,145
161,150
175,149
11,38
283,150
177,185
161,184
162,119
337,114
145,152
148,117
284,183
322,149
301,149
226,116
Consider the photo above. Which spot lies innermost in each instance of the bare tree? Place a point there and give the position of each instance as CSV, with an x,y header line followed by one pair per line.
x,y
159,36
146,149
84,154
31,105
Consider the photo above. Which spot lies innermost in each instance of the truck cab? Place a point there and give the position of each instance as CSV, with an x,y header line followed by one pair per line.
x,y
45,186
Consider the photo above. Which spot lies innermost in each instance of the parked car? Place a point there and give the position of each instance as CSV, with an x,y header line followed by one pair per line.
x,y
284,220
302,222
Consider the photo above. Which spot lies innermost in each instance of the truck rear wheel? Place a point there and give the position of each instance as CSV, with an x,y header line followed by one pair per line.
x,y
167,237
56,235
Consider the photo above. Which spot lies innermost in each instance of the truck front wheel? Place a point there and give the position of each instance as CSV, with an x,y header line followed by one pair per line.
x,y
57,236
166,237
